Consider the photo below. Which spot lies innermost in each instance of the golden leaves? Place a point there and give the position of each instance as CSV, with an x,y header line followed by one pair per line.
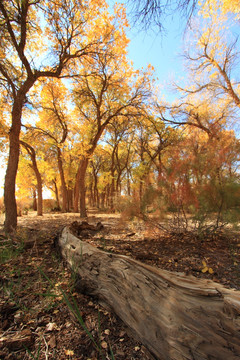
x,y
69,352
206,268
231,6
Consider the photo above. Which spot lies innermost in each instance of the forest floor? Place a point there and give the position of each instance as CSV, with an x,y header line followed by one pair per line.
x,y
38,294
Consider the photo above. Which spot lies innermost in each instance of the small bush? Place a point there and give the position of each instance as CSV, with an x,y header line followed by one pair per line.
x,y
203,210
50,205
23,205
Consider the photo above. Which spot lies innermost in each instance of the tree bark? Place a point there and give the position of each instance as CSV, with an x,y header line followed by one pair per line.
x,y
34,200
70,199
10,223
76,191
83,169
56,194
39,191
176,317
34,166
63,182
95,190
102,198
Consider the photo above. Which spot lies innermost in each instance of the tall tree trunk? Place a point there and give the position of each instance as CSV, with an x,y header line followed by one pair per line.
x,y
56,193
140,190
63,182
39,191
34,200
76,191
112,195
96,194
39,186
10,223
128,184
118,185
83,169
91,195
98,199
70,199
103,197
34,166
108,194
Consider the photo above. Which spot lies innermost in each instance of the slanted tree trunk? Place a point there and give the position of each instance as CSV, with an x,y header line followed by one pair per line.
x,y
10,223
176,317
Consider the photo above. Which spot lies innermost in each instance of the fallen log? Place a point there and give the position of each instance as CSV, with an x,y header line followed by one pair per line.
x,y
176,317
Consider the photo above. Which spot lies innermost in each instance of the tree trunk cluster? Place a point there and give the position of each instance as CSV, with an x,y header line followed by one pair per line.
x,y
176,317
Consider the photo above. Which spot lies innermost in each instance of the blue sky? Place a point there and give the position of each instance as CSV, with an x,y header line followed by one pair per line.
x,y
160,50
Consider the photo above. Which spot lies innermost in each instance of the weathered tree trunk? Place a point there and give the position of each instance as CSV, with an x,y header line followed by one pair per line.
x,y
176,317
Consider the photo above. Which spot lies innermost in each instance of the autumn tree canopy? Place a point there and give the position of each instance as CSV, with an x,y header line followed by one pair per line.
x,y
70,30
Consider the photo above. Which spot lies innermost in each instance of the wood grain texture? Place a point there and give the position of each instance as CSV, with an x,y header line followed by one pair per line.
x,y
175,316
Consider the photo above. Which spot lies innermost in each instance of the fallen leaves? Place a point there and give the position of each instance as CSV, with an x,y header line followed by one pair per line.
x,y
52,342
51,326
69,352
206,268
104,345
47,317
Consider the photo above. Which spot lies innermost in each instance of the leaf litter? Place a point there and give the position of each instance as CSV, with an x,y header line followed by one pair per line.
x,y
37,323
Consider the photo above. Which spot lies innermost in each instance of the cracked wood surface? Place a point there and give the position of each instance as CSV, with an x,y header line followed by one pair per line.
x,y
175,316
